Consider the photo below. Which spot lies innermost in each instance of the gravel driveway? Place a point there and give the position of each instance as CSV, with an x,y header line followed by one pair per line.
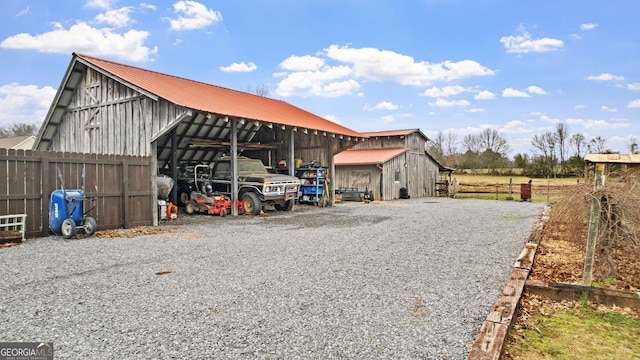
x,y
406,279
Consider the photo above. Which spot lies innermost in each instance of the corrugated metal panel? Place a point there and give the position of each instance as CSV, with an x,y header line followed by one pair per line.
x,y
366,157
218,100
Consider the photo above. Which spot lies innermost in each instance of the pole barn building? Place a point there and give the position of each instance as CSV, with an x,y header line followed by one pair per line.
x,y
391,164
104,107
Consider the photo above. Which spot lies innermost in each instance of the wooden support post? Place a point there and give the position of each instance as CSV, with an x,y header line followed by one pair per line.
x,y
594,221
292,160
234,166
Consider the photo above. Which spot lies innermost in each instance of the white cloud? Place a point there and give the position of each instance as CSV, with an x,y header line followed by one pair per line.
x,y
634,104
302,63
193,15
24,104
118,18
576,36
633,86
597,124
239,67
383,105
536,90
516,126
580,106
103,4
26,11
485,95
332,117
510,92
475,110
312,76
387,118
147,6
447,103
446,91
605,77
588,26
328,82
83,38
606,108
385,65
523,43
547,119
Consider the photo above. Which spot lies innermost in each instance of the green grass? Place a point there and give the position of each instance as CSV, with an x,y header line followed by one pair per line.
x,y
580,333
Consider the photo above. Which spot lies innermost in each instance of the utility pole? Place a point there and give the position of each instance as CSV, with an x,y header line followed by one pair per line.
x,y
594,222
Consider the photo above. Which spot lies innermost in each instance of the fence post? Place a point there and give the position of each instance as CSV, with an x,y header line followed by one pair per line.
x,y
594,220
125,193
46,190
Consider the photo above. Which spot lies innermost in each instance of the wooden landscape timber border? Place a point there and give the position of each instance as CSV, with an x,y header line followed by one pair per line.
x,y
122,186
493,333
490,341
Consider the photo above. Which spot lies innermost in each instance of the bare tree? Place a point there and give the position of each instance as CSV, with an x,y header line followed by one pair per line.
x,y
597,146
260,90
450,148
632,144
18,130
436,147
494,141
472,143
578,144
562,134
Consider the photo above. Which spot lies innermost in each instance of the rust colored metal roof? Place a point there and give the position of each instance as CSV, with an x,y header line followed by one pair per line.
x,y
613,158
215,99
366,157
390,133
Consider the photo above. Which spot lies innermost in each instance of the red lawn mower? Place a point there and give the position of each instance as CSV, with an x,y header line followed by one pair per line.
x,y
212,205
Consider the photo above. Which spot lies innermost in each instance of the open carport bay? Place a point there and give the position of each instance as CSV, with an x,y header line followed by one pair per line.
x,y
397,279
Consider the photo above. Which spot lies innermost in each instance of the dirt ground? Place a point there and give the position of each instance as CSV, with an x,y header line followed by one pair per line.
x,y
561,260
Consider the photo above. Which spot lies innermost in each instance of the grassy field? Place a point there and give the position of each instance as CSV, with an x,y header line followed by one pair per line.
x,y
576,333
485,186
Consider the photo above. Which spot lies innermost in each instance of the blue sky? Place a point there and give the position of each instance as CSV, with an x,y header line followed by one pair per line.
x,y
520,67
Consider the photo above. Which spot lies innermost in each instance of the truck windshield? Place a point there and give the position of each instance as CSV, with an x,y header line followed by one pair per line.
x,y
251,167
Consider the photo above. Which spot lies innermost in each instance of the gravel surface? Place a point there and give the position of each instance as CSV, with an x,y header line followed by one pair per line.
x,y
409,279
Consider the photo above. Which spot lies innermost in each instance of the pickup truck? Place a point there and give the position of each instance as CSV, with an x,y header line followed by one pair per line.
x,y
256,186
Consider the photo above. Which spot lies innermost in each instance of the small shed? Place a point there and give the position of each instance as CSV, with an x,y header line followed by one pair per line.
x,y
388,163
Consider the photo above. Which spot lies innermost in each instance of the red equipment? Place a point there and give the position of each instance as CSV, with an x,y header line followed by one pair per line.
x,y
212,205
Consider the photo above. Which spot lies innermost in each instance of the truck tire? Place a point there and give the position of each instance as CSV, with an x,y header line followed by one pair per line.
x,y
287,206
251,203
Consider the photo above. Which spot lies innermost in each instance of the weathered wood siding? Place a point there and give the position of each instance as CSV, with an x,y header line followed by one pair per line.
x,y
414,141
363,177
418,176
108,117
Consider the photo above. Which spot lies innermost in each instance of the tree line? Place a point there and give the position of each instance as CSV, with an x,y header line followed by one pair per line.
x,y
554,154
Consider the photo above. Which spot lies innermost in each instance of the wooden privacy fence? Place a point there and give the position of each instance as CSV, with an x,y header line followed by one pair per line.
x,y
121,185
